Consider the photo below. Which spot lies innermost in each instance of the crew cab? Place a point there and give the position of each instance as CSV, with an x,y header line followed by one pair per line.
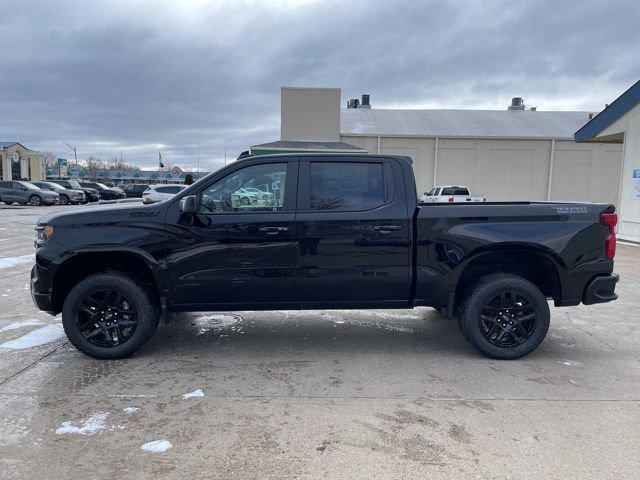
x,y
450,194
341,231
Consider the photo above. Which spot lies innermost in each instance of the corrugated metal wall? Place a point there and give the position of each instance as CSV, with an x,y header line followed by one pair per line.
x,y
510,169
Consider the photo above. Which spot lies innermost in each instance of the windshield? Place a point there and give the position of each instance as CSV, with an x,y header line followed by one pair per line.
x,y
30,186
74,184
55,186
101,185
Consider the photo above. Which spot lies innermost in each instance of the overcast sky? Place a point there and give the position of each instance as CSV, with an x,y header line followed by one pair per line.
x,y
138,77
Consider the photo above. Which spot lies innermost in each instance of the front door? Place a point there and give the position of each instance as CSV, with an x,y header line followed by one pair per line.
x,y
238,251
353,233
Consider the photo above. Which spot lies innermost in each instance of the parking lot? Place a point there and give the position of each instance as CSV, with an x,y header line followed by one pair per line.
x,y
384,394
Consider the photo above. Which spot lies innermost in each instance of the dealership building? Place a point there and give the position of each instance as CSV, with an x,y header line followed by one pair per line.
x,y
17,162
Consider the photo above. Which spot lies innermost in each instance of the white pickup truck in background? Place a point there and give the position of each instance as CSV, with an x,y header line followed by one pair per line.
x,y
450,194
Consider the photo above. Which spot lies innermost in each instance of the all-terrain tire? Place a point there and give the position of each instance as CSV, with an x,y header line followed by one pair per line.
x,y
135,292
489,287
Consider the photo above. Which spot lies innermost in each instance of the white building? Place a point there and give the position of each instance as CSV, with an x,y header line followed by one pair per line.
x,y
619,124
511,154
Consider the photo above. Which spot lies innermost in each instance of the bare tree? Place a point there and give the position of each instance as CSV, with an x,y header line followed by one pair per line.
x,y
92,166
50,160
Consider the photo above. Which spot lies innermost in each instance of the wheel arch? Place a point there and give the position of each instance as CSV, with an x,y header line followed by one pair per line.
x,y
85,263
539,267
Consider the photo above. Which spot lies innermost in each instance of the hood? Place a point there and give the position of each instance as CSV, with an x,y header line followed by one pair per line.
x,y
119,212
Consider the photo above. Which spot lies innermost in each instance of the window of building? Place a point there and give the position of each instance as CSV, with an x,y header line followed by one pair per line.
x,y
346,185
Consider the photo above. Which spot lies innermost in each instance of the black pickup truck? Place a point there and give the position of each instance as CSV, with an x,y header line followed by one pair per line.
x,y
320,232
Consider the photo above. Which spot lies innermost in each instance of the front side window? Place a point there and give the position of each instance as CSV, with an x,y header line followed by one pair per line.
x,y
250,189
346,186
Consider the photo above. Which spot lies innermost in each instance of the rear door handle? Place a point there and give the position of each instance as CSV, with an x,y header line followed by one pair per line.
x,y
273,230
387,228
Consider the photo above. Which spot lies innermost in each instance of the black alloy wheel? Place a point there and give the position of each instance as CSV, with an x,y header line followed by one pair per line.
x,y
106,318
504,316
110,314
507,319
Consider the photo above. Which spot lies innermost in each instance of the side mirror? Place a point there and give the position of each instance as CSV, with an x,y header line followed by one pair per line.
x,y
189,205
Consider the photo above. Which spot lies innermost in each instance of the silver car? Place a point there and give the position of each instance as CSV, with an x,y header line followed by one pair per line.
x,y
16,191
67,195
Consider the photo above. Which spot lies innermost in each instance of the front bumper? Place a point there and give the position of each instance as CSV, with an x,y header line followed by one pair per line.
x,y
41,300
601,289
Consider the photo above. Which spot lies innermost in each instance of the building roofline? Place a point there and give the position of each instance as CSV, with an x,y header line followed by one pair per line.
x,y
620,106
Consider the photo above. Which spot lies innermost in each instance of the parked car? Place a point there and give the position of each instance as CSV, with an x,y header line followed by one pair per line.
x,y
91,193
158,193
21,192
450,194
67,196
135,190
344,232
106,193
248,195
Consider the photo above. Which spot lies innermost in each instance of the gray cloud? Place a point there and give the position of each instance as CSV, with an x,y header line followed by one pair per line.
x,y
139,76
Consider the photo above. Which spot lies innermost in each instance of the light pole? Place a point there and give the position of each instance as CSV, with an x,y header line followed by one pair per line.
x,y
75,153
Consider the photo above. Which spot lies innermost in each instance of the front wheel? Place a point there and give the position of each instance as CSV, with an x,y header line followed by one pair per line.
x,y
35,200
504,316
109,315
64,200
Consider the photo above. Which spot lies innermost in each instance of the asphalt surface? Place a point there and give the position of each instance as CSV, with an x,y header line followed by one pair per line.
x,y
335,394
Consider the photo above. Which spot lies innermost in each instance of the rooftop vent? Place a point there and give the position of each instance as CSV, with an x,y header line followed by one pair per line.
x,y
365,101
517,103
353,103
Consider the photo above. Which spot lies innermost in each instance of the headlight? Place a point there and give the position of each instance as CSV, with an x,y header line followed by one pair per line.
x,y
43,233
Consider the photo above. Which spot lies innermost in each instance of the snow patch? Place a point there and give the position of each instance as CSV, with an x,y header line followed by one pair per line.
x,y
195,393
91,425
131,409
36,338
570,363
9,262
24,323
157,446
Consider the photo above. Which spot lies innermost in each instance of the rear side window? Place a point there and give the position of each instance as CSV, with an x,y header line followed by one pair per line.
x,y
455,191
346,185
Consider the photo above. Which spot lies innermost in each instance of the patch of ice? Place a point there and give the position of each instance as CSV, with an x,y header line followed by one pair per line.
x,y
195,393
24,323
157,446
339,322
131,409
36,338
9,262
217,322
91,425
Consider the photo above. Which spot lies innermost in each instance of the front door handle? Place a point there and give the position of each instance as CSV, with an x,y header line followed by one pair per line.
x,y
273,230
387,228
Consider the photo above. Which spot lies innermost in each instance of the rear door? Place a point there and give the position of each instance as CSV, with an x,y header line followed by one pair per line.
x,y
353,232
233,254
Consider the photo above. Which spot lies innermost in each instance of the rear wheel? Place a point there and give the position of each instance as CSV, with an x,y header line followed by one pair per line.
x,y
35,200
504,316
109,315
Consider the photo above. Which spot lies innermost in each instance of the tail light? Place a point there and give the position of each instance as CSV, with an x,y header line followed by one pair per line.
x,y
609,220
